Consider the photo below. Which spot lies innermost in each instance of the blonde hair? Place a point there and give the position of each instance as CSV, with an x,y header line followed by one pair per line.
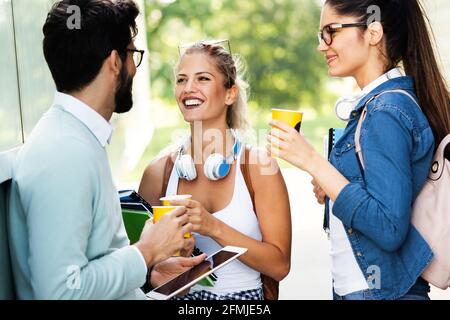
x,y
232,69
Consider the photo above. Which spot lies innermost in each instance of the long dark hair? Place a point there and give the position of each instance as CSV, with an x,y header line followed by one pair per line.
x,y
408,37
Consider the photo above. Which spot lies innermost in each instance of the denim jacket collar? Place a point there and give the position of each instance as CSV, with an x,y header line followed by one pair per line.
x,y
404,83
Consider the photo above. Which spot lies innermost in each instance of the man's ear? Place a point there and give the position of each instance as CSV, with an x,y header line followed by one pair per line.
x,y
376,33
114,62
232,95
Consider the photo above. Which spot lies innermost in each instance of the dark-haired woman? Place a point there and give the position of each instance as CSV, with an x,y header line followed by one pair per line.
x,y
376,252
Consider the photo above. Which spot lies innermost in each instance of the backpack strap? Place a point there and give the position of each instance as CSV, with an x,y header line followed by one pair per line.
x,y
245,168
441,155
363,117
166,175
270,286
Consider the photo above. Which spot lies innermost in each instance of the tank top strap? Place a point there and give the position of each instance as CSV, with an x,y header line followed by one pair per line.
x,y
172,186
239,156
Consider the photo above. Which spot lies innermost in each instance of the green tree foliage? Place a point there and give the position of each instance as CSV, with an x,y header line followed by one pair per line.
x,y
276,38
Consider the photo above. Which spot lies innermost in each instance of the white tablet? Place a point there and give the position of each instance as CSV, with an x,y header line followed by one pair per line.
x,y
190,277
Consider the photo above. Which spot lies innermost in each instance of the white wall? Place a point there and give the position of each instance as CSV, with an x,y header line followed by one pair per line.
x,y
439,14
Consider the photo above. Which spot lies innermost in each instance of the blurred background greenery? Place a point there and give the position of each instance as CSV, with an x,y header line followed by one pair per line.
x,y
276,39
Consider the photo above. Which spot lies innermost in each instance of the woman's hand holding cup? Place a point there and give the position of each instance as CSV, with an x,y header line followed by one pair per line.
x,y
287,143
202,221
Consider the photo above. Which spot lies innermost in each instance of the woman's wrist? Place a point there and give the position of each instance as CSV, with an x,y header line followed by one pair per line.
x,y
216,229
315,164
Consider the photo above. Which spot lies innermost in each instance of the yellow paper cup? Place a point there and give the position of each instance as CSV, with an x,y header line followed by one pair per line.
x,y
290,117
166,200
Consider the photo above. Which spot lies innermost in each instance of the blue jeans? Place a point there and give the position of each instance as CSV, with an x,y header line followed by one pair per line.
x,y
358,295
419,291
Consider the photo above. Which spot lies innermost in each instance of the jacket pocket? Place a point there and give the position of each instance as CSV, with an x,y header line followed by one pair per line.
x,y
347,162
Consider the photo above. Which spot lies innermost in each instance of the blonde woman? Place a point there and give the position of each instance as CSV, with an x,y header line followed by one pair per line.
x,y
211,95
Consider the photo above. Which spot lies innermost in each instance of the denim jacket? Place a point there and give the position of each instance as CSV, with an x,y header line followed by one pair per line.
x,y
375,207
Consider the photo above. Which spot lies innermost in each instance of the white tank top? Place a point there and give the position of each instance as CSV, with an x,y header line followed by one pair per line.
x,y
239,215
347,276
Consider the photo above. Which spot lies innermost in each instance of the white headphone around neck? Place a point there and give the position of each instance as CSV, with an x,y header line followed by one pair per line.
x,y
216,166
345,105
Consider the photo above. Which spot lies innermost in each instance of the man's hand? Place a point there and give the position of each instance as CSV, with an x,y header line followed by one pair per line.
x,y
189,246
161,240
172,267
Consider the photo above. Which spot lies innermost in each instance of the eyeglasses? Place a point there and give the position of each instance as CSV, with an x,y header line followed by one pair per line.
x,y
326,34
138,55
225,44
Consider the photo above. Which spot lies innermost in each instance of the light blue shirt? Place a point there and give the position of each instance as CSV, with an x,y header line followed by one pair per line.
x,y
67,235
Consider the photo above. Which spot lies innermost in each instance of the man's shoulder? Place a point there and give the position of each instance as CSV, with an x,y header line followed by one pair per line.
x,y
58,132
55,146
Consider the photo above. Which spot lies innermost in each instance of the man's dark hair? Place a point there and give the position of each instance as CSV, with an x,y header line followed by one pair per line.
x,y
75,55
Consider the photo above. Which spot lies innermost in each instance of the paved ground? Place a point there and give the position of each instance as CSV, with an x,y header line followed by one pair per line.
x,y
310,278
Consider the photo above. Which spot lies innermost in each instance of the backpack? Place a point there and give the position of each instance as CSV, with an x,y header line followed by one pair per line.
x,y
431,208
270,286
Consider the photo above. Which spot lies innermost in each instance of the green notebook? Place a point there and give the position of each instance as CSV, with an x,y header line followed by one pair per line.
x,y
134,221
206,282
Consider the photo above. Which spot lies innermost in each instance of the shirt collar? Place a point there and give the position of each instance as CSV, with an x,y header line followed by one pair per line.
x,y
348,104
389,81
98,125
391,74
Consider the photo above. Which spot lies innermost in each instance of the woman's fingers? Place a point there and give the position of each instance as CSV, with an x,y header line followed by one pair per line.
x,y
279,124
195,219
187,228
184,203
318,192
277,133
273,152
277,143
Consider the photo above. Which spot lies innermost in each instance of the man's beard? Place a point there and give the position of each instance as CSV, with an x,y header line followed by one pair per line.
x,y
124,96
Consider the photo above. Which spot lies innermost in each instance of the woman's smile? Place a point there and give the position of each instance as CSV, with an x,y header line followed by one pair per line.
x,y
192,103
331,58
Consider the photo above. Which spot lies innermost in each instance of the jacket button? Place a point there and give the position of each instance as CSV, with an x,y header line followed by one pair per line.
x,y
349,145
369,278
359,254
350,231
